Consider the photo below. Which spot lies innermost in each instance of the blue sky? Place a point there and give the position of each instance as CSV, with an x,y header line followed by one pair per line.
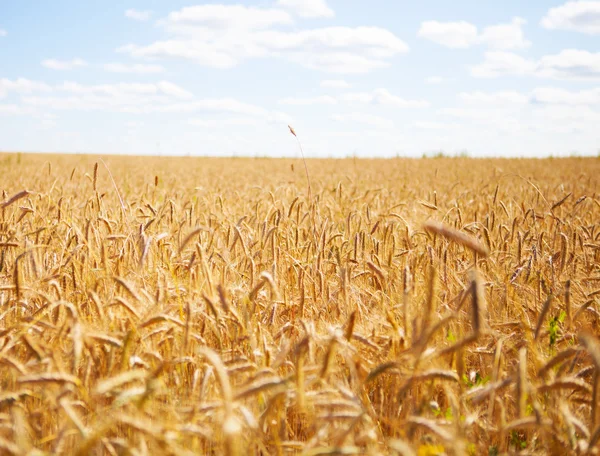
x,y
378,78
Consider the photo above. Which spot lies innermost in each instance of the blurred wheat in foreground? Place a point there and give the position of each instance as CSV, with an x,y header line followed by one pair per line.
x,y
213,306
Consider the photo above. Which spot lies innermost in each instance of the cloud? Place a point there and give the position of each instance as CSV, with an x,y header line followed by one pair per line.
x,y
365,119
481,114
3,32
134,124
505,36
138,101
21,86
357,97
376,97
13,109
436,125
120,97
134,98
223,36
434,80
307,8
137,15
450,34
168,88
137,68
223,123
124,89
323,99
233,17
580,16
337,62
48,121
496,109
545,111
539,95
54,64
508,97
196,51
554,125
550,95
462,35
569,64
382,97
227,104
335,84
566,119
500,63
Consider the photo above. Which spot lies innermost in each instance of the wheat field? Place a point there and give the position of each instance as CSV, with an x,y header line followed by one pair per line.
x,y
211,306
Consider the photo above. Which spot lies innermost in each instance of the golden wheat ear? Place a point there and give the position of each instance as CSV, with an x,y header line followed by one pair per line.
x,y
292,131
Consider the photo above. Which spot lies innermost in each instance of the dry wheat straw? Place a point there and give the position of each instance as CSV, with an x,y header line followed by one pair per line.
x,y
457,236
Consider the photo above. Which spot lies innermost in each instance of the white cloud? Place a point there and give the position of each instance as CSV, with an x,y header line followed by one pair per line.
x,y
561,118
550,127
335,84
13,109
222,36
120,97
338,62
115,90
505,36
486,115
365,119
54,64
137,15
226,122
137,68
426,125
168,88
379,43
500,63
550,95
236,17
434,80
375,97
461,35
493,98
497,110
548,116
279,118
143,99
48,121
569,64
21,86
307,8
517,100
196,51
323,99
230,105
382,97
134,124
579,16
357,97
450,34
3,32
